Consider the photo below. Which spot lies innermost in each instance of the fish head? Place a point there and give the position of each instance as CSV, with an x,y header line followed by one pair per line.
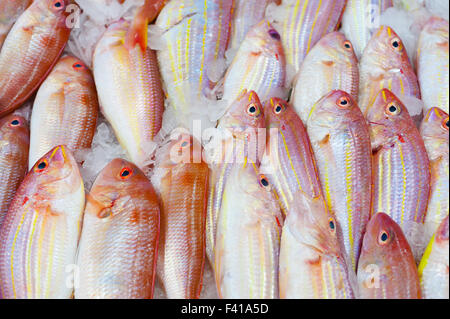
x,y
14,127
47,12
278,113
435,124
182,149
264,39
336,48
69,68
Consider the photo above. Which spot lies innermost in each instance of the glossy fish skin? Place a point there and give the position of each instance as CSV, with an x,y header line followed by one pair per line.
x,y
130,92
237,121
433,269
39,236
10,10
340,140
330,65
385,64
386,268
301,23
434,131
184,190
313,263
401,168
14,144
65,109
248,238
360,20
259,65
30,50
288,162
119,242
433,65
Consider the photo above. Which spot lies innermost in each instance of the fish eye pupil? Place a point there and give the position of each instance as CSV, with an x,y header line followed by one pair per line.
x,y
446,123
392,109
274,34
15,122
384,237
344,102
395,44
42,165
58,4
264,182
252,109
125,173
347,45
332,225
184,144
278,109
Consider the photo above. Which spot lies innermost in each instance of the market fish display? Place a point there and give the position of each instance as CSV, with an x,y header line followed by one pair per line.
x,y
360,19
119,242
14,143
340,139
330,65
401,168
239,144
433,269
183,189
435,134
65,109
10,10
259,65
30,50
248,238
386,268
385,64
288,161
433,64
313,263
39,236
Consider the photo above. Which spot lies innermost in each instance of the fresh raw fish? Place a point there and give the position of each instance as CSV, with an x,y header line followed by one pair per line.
x,y
340,140
330,65
119,242
434,131
386,267
39,236
65,109
30,50
14,143
433,64
10,10
248,238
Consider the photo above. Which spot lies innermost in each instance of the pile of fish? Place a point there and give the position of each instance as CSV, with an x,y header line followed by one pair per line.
x,y
298,147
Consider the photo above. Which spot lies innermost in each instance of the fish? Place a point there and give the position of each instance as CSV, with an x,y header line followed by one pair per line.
x,y
65,109
119,242
288,162
433,269
39,236
340,140
330,65
243,118
401,168
248,238
130,91
433,65
259,65
360,19
386,267
434,131
10,11
14,144
313,263
183,191
30,50
301,23
385,64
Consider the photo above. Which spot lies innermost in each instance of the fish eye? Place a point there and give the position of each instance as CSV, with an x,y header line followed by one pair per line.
x,y
78,66
14,123
263,181
396,44
253,110
344,102
332,224
348,45
278,108
184,144
42,165
126,172
445,124
393,109
274,34
58,5
383,238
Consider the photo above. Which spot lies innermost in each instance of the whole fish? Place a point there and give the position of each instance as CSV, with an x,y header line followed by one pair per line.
x,y
433,269
30,50
10,10
288,162
330,65
434,131
401,168
129,89
259,65
385,64
301,23
340,139
119,241
360,19
184,189
242,120
386,267
14,143
313,263
433,65
39,236
65,109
